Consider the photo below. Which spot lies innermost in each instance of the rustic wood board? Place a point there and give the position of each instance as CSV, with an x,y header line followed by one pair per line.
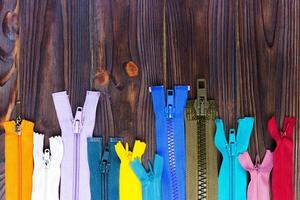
x,y
248,51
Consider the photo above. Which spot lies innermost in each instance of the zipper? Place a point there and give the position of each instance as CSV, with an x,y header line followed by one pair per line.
x,y
201,111
77,130
171,143
18,132
46,158
231,150
257,167
20,165
105,164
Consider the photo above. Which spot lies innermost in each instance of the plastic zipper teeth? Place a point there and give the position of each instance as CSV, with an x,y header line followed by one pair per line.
x,y
202,171
172,160
171,144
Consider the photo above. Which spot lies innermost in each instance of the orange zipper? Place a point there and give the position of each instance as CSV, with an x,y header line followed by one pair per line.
x,y
20,166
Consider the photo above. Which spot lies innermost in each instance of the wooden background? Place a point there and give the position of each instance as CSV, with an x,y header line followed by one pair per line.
x,y
248,50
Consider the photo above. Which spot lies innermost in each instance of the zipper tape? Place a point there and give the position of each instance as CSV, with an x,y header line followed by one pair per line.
x,y
202,159
75,131
104,168
46,173
18,160
151,181
170,138
95,149
114,170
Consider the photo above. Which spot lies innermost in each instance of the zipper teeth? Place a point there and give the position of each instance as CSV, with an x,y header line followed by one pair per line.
x,y
77,166
231,174
105,187
75,183
20,166
233,177
171,154
230,177
46,183
202,171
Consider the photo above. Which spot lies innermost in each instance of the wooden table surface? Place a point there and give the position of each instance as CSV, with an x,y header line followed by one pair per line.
x,y
249,52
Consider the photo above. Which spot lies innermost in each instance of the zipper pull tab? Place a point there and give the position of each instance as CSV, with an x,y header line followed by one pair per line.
x,y
105,161
170,103
46,157
200,103
78,120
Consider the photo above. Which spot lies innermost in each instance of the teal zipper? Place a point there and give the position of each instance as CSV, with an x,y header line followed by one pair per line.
x,y
231,164
105,164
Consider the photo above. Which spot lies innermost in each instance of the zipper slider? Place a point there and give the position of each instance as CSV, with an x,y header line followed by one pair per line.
x,y
18,126
105,161
78,120
232,146
170,103
200,103
46,157
18,119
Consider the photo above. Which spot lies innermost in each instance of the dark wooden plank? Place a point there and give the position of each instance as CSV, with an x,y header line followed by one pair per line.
x,y
187,42
76,50
247,50
222,59
126,31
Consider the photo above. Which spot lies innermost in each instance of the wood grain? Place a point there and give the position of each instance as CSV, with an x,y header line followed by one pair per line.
x,y
247,50
126,31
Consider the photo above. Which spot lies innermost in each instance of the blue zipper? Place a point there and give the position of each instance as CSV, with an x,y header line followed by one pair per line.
x,y
171,143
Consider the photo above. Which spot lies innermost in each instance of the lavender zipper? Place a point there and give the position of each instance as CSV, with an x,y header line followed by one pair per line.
x,y
77,126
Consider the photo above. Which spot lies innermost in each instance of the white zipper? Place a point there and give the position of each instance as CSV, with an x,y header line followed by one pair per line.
x,y
46,158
